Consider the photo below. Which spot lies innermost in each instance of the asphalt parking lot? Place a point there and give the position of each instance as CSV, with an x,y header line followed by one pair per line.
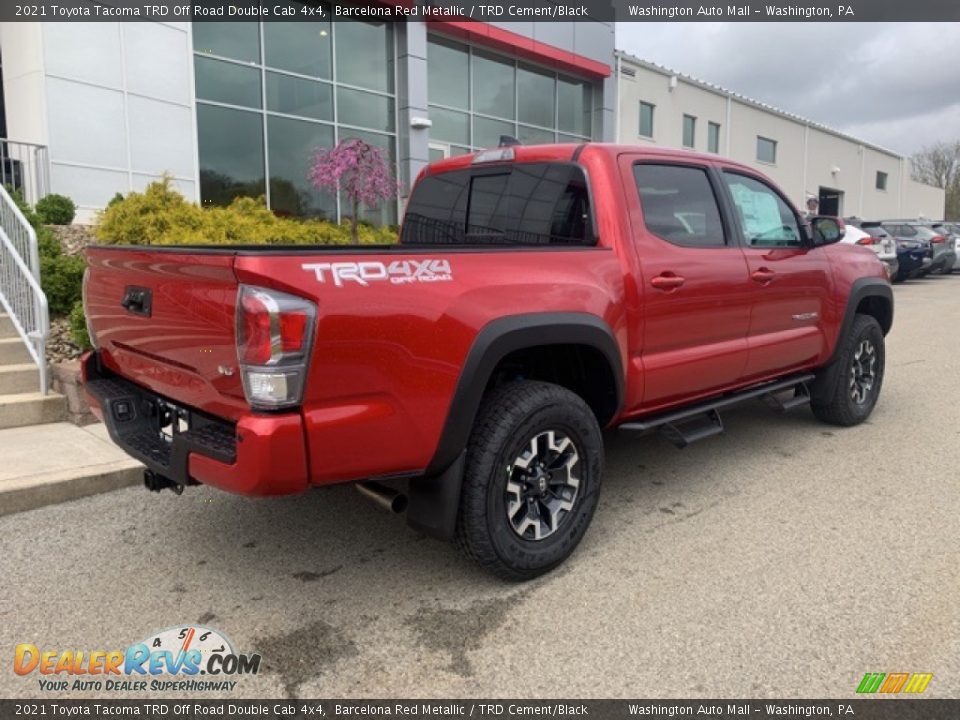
x,y
784,558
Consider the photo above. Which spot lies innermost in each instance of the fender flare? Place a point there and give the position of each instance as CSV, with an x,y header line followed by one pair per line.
x,y
435,497
862,288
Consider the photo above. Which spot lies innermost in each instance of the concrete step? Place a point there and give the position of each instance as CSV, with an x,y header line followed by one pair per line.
x,y
20,378
6,327
54,463
13,351
23,409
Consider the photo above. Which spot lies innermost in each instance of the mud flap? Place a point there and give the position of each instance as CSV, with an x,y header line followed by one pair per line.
x,y
434,501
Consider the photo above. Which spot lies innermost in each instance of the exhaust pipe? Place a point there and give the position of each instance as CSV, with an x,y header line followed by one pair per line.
x,y
386,497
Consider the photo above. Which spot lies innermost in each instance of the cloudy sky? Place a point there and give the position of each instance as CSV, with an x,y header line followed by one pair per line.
x,y
896,85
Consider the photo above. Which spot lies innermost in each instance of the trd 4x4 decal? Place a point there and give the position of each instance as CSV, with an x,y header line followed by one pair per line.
x,y
397,272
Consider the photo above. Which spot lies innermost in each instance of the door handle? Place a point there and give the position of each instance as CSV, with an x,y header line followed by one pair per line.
x,y
763,275
667,281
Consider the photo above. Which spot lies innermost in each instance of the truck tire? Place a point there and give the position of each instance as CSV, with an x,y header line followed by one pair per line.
x,y
532,479
857,378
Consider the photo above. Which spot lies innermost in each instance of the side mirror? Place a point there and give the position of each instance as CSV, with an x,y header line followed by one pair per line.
x,y
826,230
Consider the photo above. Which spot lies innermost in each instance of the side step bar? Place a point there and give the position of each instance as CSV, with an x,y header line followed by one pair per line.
x,y
700,421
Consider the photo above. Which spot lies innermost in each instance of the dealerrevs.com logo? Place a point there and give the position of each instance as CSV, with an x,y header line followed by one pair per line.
x,y
189,658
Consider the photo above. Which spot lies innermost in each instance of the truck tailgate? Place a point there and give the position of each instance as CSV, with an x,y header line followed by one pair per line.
x,y
166,321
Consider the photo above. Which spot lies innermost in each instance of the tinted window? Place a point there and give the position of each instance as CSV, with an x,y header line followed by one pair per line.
x,y
494,86
522,204
881,181
679,205
447,68
302,47
237,40
536,96
365,55
765,218
574,106
231,154
227,83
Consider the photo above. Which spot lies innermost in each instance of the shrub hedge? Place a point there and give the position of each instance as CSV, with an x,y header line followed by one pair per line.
x,y
78,327
56,209
162,216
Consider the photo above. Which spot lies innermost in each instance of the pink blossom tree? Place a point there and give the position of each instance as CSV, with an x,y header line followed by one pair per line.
x,y
359,170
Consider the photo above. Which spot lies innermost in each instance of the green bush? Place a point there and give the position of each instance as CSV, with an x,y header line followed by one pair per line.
x,y
48,243
162,216
56,209
61,277
117,197
78,327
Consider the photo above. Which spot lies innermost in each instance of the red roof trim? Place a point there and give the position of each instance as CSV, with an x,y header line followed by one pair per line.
x,y
522,46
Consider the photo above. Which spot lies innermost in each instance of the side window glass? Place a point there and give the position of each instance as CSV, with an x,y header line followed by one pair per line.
x,y
766,220
679,205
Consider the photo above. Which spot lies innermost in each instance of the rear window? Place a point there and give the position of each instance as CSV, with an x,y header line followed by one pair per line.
x,y
520,204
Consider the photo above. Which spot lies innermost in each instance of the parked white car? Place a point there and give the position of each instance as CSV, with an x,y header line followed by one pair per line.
x,y
885,247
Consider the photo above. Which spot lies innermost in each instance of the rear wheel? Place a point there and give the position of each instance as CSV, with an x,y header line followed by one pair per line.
x,y
856,377
532,479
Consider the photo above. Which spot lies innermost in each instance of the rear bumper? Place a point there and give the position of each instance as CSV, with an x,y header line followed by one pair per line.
x,y
258,455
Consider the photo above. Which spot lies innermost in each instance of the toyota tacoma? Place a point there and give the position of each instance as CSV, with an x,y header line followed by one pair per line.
x,y
537,296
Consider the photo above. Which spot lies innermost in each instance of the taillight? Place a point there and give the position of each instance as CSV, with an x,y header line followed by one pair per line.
x,y
274,338
868,240
937,239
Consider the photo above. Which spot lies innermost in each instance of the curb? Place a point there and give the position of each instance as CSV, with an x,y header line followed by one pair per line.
x,y
54,488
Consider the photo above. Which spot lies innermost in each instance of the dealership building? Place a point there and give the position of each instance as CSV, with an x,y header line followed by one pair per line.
x,y
90,109
849,176
237,108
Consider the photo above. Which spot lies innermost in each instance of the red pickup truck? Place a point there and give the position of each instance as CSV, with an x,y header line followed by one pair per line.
x,y
537,296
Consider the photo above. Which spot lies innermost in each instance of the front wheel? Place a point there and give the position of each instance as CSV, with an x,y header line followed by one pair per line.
x,y
532,479
856,377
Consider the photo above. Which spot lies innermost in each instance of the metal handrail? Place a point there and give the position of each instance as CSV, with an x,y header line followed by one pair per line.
x,y
25,167
20,293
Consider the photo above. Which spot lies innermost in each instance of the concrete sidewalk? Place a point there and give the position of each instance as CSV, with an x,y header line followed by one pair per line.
x,y
47,464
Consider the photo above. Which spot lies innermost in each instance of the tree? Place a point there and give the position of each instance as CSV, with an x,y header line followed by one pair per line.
x,y
939,165
359,170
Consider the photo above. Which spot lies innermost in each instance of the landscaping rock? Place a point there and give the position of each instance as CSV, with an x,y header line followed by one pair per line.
x,y
73,238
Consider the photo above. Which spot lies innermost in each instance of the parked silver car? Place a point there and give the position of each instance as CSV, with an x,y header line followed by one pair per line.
x,y
952,230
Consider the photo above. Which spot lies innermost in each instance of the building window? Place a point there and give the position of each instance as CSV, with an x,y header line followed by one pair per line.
x,y
475,96
713,137
646,119
766,150
881,180
689,131
270,93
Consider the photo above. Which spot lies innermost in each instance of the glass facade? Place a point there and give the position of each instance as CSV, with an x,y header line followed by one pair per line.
x,y
270,93
475,96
